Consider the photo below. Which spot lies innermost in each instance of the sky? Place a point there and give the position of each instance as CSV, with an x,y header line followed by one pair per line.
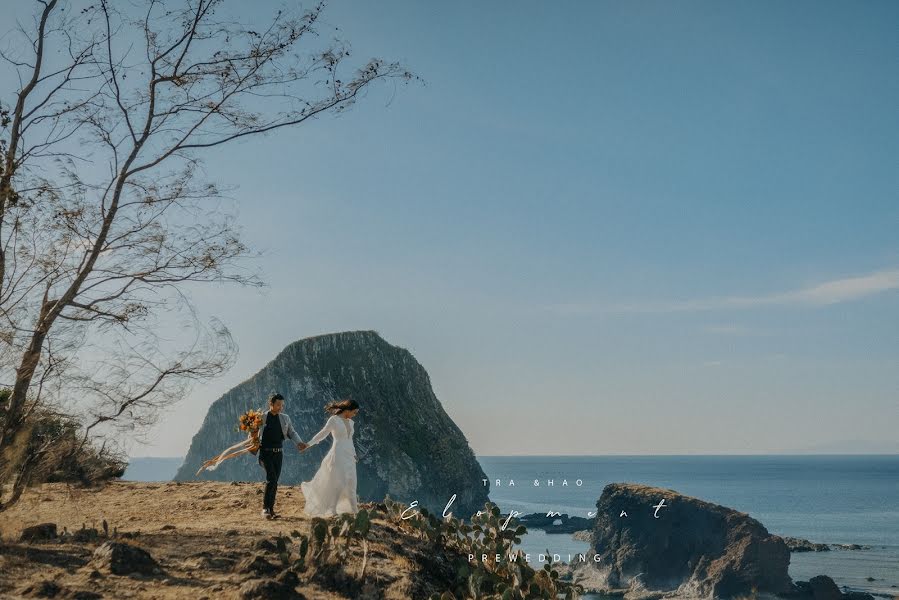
x,y
602,227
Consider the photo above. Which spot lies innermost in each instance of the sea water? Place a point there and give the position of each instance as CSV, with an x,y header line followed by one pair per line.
x,y
827,499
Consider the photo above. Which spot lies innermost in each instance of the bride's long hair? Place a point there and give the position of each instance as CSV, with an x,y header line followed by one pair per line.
x,y
338,406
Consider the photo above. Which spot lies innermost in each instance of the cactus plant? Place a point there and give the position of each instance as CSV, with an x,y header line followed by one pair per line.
x,y
487,534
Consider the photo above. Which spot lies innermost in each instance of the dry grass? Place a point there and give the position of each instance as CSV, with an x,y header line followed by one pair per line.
x,y
198,532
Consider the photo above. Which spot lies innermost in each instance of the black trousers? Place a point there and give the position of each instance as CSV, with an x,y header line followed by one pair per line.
x,y
271,462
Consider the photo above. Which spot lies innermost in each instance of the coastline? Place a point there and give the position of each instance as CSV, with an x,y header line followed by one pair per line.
x,y
834,499
857,508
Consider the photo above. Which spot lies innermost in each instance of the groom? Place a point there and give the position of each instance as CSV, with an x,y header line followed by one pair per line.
x,y
275,429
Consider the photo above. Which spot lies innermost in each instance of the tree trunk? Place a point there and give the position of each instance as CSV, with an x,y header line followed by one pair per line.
x,y
23,478
15,407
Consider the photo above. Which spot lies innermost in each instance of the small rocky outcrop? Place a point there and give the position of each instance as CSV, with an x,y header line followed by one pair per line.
x,y
124,559
256,565
39,533
850,547
562,523
583,536
86,534
408,447
823,587
801,545
42,589
859,596
268,589
265,545
213,561
50,589
694,548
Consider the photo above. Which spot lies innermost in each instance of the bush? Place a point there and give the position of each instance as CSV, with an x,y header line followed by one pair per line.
x,y
55,451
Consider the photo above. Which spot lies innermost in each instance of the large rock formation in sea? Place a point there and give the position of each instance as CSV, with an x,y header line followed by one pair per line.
x,y
693,549
408,446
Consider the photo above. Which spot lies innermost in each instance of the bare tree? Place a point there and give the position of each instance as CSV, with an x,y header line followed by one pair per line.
x,y
105,218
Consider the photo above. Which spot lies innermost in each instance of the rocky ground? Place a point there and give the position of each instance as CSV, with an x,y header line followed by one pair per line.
x,y
202,540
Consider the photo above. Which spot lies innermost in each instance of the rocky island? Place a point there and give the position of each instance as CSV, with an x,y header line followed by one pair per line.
x,y
653,542
409,448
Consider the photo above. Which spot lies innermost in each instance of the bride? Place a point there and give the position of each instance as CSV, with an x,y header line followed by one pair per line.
x,y
333,489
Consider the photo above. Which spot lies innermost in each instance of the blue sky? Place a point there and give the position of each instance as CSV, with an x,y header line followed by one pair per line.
x,y
602,227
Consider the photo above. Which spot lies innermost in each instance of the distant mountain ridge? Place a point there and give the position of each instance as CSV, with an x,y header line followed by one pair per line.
x,y
408,446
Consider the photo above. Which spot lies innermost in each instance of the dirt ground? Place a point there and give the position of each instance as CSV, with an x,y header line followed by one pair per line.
x,y
199,532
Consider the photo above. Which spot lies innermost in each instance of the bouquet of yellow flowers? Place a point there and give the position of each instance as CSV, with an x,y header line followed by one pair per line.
x,y
251,422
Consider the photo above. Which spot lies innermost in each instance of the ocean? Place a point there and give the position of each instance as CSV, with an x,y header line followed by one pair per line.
x,y
828,499
152,468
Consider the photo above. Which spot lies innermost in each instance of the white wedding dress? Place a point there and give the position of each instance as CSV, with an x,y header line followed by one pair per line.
x,y
333,489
